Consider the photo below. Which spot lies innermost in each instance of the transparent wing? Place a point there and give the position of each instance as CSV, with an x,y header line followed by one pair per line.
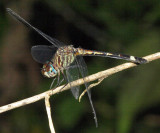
x,y
42,53
72,73
53,41
82,69
84,72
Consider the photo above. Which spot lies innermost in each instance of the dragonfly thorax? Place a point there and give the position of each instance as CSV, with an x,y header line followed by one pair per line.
x,y
48,70
64,57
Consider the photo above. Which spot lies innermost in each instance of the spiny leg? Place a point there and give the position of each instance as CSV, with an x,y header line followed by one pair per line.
x,y
61,81
58,80
64,78
58,83
52,83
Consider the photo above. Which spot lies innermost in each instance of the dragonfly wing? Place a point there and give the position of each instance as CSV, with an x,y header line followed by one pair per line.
x,y
82,68
42,53
84,72
73,74
53,41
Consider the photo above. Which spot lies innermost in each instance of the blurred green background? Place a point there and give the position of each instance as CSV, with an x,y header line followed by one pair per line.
x,y
127,102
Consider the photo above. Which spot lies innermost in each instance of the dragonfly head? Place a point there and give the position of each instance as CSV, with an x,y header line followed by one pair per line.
x,y
48,70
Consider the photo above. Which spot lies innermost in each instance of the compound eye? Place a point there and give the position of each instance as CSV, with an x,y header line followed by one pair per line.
x,y
51,68
48,70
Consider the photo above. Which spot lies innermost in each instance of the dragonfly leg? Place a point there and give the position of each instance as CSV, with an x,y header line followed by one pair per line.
x,y
64,78
61,81
58,82
52,83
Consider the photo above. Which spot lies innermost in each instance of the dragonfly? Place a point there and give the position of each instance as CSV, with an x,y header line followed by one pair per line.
x,y
67,60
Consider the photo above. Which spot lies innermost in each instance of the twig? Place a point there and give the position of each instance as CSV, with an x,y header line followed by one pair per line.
x,y
91,86
78,82
48,109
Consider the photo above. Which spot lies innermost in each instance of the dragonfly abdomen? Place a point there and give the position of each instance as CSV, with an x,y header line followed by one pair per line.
x,y
84,52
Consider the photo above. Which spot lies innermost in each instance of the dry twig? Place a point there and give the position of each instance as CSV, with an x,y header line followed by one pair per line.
x,y
48,109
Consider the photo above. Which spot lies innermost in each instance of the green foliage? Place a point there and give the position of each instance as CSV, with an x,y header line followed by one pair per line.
x,y
69,112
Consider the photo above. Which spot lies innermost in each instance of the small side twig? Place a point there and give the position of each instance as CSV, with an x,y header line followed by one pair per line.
x,y
91,86
48,109
78,82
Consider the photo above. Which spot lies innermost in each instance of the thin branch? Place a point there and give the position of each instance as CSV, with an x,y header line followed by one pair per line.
x,y
78,82
48,109
90,86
